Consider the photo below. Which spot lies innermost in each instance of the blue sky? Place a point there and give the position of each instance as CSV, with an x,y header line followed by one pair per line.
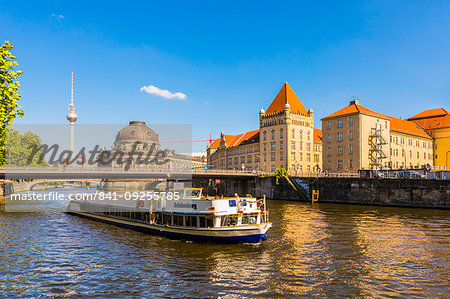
x,y
229,58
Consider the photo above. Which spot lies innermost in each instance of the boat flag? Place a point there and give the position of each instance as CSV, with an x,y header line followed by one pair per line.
x,y
211,209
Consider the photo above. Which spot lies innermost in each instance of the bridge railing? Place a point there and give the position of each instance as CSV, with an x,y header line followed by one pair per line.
x,y
73,169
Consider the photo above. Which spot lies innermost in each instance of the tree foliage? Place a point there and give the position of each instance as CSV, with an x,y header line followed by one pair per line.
x,y
19,147
9,87
280,173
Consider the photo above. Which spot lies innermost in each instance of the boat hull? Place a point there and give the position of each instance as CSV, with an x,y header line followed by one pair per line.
x,y
243,234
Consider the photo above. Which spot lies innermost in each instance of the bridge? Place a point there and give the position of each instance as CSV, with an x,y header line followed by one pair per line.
x,y
100,173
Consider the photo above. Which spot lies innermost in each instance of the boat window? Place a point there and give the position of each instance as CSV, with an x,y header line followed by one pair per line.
x,y
191,221
167,219
202,221
209,222
177,220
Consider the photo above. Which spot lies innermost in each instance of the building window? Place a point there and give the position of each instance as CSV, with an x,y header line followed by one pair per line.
x,y
281,144
329,138
301,145
329,124
350,120
339,123
265,158
249,159
329,151
340,165
301,134
308,137
417,155
350,135
265,147
293,145
272,157
272,146
264,136
339,136
281,133
308,168
350,149
329,164
273,134
339,150
424,156
281,156
293,156
308,157
293,133
308,147
273,168
301,157
351,163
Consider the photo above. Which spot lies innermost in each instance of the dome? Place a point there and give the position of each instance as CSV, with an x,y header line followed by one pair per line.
x,y
262,110
136,131
287,106
310,110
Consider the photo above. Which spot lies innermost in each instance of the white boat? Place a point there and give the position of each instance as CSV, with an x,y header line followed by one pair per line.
x,y
182,214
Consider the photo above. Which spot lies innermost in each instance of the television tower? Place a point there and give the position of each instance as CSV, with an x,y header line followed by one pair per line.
x,y
72,118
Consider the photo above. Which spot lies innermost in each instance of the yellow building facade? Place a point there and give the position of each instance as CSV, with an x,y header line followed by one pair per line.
x,y
355,138
437,123
286,139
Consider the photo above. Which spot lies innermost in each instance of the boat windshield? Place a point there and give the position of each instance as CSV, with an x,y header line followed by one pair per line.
x,y
191,193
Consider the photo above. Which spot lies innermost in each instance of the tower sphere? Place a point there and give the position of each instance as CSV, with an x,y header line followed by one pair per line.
x,y
72,116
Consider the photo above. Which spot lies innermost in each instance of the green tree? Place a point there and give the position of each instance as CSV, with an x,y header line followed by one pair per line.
x,y
9,87
19,148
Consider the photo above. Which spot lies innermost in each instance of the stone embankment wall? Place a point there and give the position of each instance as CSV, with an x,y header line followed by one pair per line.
x,y
427,193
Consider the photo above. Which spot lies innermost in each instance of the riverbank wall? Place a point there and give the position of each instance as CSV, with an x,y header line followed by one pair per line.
x,y
426,193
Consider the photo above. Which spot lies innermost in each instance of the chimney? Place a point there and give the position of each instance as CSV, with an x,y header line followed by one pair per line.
x,y
354,102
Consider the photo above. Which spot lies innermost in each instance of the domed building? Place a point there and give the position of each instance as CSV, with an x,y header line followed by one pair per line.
x,y
138,146
136,132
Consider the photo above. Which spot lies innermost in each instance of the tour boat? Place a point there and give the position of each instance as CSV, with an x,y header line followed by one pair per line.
x,y
182,214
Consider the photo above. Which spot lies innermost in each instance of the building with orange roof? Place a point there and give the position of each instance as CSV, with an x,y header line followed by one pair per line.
x,y
356,137
436,122
286,139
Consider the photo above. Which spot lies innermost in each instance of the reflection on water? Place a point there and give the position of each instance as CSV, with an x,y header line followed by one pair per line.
x,y
312,250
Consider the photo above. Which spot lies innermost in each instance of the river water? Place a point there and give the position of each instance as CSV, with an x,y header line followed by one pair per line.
x,y
312,250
